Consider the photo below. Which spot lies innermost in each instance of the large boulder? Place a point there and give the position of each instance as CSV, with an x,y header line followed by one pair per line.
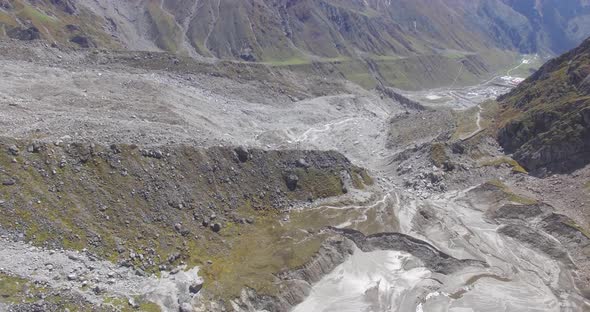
x,y
292,180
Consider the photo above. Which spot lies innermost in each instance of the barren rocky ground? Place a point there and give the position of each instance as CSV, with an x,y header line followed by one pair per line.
x,y
434,227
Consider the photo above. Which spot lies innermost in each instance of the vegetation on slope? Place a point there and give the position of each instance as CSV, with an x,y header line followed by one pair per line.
x,y
545,121
219,208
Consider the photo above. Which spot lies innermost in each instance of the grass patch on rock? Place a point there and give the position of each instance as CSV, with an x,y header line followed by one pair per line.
x,y
438,154
510,195
504,160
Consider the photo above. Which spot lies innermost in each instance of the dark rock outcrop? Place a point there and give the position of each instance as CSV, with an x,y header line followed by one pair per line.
x,y
432,258
25,34
65,5
82,41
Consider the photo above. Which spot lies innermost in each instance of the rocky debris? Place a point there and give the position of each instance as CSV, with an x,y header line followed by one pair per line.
x,y
34,147
72,271
426,181
184,231
157,154
173,293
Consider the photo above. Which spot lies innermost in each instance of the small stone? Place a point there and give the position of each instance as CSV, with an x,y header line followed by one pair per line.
x,y
195,288
133,303
72,277
302,163
216,227
8,182
13,150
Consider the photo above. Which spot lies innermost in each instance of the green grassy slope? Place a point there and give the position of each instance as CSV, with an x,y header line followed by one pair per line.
x,y
546,120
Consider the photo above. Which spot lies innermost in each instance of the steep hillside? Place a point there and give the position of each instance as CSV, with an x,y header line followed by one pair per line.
x,y
408,44
554,26
545,122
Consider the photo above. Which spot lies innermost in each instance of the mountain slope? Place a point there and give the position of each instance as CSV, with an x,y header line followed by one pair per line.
x,y
364,41
546,120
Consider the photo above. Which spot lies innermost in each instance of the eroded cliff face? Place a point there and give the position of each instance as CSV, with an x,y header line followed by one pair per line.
x,y
544,121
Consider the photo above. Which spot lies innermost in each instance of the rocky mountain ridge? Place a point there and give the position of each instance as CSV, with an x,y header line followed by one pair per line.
x,y
545,121
409,44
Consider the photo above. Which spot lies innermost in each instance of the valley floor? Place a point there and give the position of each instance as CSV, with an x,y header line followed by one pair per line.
x,y
439,179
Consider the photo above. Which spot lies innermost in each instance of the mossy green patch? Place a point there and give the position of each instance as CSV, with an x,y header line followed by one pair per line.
x,y
13,289
466,121
571,223
167,30
7,19
511,196
319,183
504,160
36,16
122,304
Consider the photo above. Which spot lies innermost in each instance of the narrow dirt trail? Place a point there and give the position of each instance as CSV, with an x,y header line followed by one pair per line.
x,y
477,123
